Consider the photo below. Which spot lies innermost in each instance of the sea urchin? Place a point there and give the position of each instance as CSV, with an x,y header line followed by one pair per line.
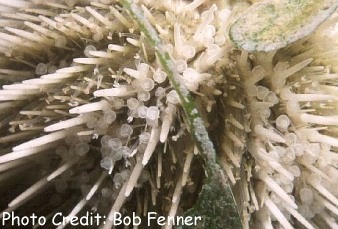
x,y
91,122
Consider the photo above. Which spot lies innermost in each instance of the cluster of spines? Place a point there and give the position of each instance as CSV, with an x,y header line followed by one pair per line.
x,y
94,87
289,142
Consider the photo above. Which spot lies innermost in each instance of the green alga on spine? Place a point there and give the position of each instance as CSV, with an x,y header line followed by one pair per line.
x,y
215,188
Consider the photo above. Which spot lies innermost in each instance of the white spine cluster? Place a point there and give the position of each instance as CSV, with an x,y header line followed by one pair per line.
x,y
100,95
289,144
